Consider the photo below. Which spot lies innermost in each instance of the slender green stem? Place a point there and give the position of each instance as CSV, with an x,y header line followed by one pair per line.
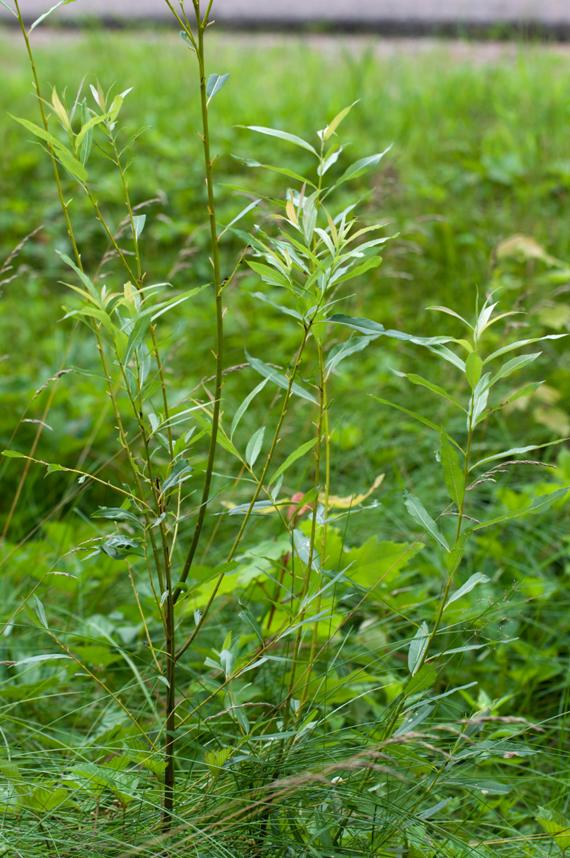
x,y
172,595
219,309
312,538
325,435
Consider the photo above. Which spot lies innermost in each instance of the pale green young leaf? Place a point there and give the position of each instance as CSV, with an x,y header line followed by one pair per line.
x,y
479,400
357,271
362,166
353,345
268,274
93,313
239,217
513,365
254,446
40,612
417,649
87,127
329,161
70,163
419,513
117,104
87,282
334,123
37,131
61,152
282,171
281,135
449,312
214,85
483,320
139,222
510,347
37,659
45,15
470,584
60,110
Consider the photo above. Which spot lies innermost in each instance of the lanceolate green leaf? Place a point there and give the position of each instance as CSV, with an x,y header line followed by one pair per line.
x,y
53,8
245,405
470,584
282,135
214,85
429,385
418,512
367,326
254,445
417,649
353,345
89,125
334,123
513,365
37,659
268,274
273,168
521,344
279,379
87,282
515,451
61,152
452,471
473,369
301,451
362,166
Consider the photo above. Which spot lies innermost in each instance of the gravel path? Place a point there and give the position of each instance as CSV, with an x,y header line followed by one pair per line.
x,y
407,13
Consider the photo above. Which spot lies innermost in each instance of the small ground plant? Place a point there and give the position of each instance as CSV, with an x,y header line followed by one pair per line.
x,y
216,657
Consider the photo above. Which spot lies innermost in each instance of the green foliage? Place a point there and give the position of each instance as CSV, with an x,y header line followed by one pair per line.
x,y
282,616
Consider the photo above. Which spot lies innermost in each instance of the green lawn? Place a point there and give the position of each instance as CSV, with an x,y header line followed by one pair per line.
x,y
476,194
